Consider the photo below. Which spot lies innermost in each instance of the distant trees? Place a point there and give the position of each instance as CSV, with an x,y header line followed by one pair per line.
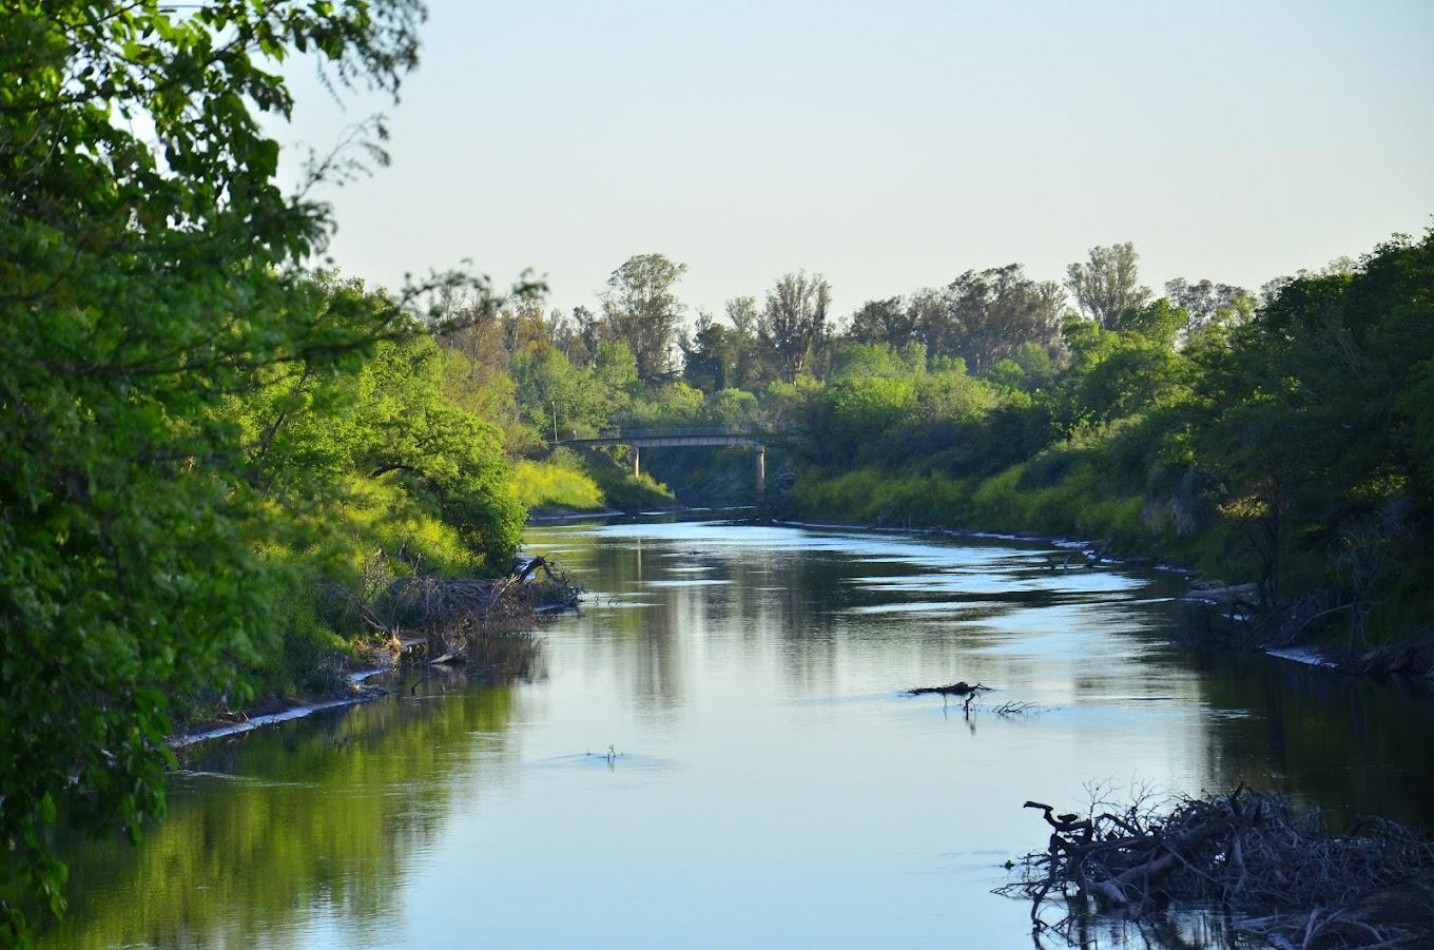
x,y
981,317
994,312
1107,283
1208,303
795,320
890,321
642,311
718,357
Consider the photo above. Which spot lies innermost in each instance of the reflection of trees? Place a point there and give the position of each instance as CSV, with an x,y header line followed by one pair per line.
x,y
326,813
1337,741
1333,740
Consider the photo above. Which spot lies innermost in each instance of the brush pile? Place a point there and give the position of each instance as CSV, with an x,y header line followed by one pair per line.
x,y
421,603
1271,869
418,614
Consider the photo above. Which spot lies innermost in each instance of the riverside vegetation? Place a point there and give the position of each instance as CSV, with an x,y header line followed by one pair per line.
x,y
211,451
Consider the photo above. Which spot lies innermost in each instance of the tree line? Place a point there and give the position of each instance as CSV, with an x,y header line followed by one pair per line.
x,y
1280,437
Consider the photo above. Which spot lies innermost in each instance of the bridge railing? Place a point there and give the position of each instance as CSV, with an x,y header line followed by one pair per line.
x,y
626,432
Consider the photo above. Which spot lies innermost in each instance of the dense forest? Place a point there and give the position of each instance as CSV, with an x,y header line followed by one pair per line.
x,y
213,453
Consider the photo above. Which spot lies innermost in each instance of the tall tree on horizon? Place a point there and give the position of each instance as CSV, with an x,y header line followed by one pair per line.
x,y
1108,283
795,320
643,311
995,311
1209,303
890,321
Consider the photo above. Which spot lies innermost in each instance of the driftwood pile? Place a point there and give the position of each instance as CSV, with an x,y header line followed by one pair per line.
x,y
1271,871
444,619
431,603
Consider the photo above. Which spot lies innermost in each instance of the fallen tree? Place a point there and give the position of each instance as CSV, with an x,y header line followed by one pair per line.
x,y
1271,868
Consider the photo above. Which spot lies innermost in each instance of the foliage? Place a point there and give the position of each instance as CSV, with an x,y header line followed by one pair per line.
x,y
1106,284
169,388
990,314
1311,427
548,485
642,311
794,322
1290,447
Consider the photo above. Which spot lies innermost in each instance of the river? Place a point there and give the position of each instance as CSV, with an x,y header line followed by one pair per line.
x,y
716,751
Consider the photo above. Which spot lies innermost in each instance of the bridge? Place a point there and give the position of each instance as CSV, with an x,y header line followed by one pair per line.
x,y
639,439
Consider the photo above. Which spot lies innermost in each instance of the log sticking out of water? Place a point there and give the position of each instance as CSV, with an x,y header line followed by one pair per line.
x,y
1287,880
955,689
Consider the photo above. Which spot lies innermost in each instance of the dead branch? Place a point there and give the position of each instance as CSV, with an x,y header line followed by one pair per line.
x,y
955,689
1285,878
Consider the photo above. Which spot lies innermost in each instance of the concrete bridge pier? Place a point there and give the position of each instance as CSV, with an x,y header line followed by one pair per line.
x,y
761,473
636,461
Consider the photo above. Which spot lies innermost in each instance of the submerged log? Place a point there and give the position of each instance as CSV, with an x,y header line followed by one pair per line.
x,y
955,689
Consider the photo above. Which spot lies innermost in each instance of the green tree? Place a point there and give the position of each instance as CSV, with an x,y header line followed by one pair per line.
x,y
720,357
1107,283
643,311
994,312
794,322
149,268
1207,303
890,321
1314,429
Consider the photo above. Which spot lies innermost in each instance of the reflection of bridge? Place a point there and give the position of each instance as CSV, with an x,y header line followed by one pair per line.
x,y
639,439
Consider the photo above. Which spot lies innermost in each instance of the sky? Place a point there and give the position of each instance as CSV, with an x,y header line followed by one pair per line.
x,y
889,146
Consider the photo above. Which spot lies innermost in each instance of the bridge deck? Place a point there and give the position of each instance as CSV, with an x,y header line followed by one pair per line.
x,y
658,441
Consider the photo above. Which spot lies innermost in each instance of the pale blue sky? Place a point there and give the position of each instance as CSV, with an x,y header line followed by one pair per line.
x,y
892,146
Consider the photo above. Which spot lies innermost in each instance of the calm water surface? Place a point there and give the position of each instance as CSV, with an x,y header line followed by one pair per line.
x,y
716,752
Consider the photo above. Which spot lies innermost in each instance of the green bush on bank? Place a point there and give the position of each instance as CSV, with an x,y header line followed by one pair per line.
x,y
1077,501
548,485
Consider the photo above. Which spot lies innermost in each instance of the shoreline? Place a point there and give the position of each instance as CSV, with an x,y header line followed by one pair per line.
x,y
1411,661
301,709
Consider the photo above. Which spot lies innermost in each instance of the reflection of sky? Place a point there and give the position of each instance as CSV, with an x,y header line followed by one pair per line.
x,y
802,799
769,784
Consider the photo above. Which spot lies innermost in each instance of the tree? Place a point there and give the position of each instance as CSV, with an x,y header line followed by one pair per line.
x,y
794,321
1209,303
888,321
145,276
717,357
1314,431
993,312
1107,285
930,312
643,312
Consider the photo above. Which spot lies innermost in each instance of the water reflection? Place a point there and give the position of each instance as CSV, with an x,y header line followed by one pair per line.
x,y
294,831
1352,746
767,782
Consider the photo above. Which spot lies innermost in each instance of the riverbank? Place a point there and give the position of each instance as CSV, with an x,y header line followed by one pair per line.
x,y
277,710
1233,619
475,624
